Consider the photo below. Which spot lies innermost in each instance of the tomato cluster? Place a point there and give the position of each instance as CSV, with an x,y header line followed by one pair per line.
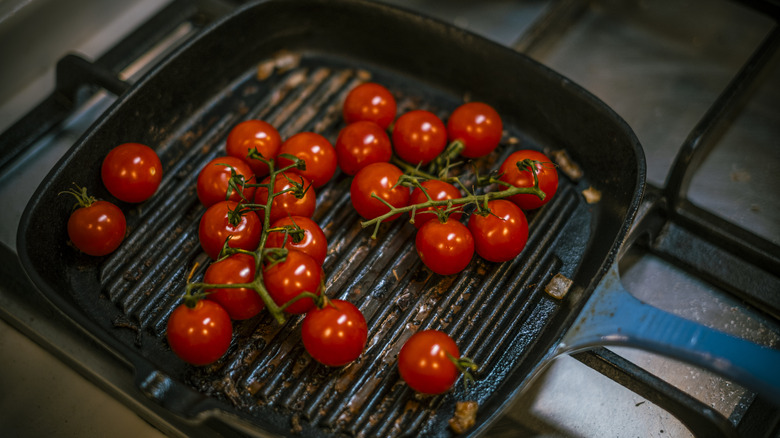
x,y
267,252
389,180
402,165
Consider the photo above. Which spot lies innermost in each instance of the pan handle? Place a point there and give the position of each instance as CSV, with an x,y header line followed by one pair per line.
x,y
612,316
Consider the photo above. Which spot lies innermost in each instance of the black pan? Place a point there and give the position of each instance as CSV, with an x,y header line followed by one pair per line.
x,y
291,63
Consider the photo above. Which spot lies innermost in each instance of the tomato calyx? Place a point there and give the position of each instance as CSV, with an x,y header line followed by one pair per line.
x,y
83,199
295,233
465,365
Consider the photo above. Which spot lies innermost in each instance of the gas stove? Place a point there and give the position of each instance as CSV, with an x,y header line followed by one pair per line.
x,y
697,81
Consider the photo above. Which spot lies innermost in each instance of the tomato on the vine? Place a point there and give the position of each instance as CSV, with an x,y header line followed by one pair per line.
x,y
478,126
240,303
131,172
288,204
445,247
222,221
545,171
419,136
501,234
95,227
335,334
200,335
370,101
316,151
254,134
360,144
438,190
313,241
378,179
287,279
426,364
214,178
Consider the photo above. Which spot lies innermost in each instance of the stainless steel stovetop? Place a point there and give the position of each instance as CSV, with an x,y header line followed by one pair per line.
x,y
661,65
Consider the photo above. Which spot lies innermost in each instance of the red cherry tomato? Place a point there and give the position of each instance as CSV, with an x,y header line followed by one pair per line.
x,y
379,179
360,144
216,227
502,235
131,172
478,126
316,151
240,303
424,362
336,334
96,228
200,335
419,136
445,247
254,134
214,177
287,204
372,102
286,280
313,242
545,170
438,191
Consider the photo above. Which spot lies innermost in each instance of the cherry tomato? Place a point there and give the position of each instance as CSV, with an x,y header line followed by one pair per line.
x,y
214,177
445,247
419,136
545,170
316,151
336,334
502,235
438,191
372,102
240,303
379,179
287,204
200,335
131,172
360,144
254,134
96,228
286,280
313,242
478,126
424,362
220,222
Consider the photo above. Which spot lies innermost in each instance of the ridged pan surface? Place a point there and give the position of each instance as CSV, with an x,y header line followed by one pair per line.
x,y
498,313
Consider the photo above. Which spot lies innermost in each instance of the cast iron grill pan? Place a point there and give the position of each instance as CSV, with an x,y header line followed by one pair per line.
x,y
291,64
